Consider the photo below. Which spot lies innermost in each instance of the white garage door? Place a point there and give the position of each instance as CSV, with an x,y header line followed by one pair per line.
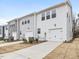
x,y
55,35
29,34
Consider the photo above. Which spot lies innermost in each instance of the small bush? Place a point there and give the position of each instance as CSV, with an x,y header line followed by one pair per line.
x,y
1,38
37,40
25,40
6,40
11,39
31,39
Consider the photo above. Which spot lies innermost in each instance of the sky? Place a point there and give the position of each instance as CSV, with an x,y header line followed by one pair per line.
x,y
10,9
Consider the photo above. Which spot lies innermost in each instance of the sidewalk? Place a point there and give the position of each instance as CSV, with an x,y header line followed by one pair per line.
x,y
35,52
1,42
10,43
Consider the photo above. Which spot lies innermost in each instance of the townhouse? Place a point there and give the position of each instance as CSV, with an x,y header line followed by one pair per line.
x,y
26,24
13,29
77,25
55,23
1,32
52,24
6,32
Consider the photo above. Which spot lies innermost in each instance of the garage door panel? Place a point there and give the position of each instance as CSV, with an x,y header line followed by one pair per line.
x,y
56,35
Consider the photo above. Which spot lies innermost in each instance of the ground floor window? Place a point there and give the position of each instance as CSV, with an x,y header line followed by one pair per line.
x,y
39,30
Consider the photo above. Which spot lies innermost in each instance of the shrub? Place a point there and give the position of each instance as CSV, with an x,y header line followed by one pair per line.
x,y
31,39
25,40
6,40
37,40
1,38
11,38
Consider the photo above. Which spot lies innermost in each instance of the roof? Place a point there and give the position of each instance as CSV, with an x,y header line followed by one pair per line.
x,y
55,6
52,7
12,20
26,16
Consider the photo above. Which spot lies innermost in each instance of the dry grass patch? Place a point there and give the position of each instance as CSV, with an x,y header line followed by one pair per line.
x,y
11,48
65,51
1,42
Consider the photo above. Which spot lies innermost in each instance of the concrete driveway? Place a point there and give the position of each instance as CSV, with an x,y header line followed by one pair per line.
x,y
35,52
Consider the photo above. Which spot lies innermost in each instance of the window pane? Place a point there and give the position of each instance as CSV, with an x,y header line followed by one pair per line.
x,y
38,30
53,13
48,15
28,21
25,22
43,16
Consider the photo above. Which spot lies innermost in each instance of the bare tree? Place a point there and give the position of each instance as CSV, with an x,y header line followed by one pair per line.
x,y
78,15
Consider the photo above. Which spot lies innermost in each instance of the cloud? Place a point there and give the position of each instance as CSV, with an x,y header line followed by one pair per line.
x,y
3,21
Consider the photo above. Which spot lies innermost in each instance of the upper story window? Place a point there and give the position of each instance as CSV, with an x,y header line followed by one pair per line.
x,y
28,21
22,23
68,16
25,22
43,16
53,13
39,30
48,15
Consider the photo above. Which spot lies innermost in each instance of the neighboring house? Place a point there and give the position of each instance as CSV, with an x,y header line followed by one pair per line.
x,y
1,32
6,32
74,26
55,23
27,26
77,26
12,28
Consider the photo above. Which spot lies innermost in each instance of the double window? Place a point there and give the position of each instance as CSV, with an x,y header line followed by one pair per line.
x,y
49,14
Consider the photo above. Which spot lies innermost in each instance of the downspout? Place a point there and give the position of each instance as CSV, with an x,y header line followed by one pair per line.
x,y
35,25
66,38
68,2
18,37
